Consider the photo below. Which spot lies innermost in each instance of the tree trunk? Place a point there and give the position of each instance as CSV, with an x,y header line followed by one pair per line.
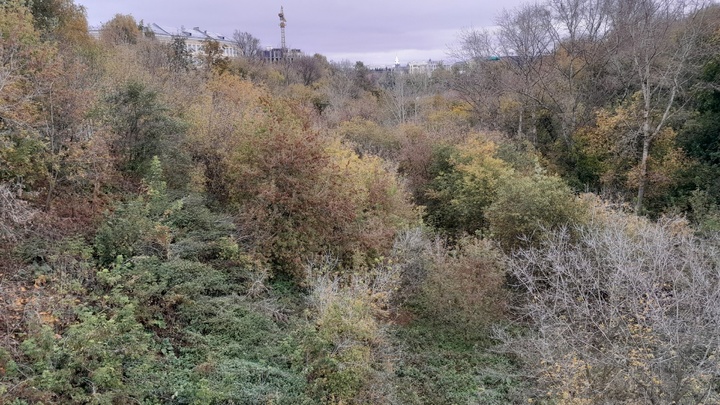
x,y
646,134
533,129
643,167
520,124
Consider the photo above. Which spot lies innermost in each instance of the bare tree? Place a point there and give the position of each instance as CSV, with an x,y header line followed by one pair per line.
x,y
479,82
309,68
557,51
339,90
396,96
525,34
475,44
476,75
523,42
581,52
248,45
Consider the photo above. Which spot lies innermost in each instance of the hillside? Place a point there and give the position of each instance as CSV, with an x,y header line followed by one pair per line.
x,y
537,223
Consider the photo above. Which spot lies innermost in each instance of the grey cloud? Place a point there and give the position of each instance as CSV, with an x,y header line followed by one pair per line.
x,y
318,26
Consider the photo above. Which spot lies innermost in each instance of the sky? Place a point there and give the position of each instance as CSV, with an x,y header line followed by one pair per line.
x,y
372,31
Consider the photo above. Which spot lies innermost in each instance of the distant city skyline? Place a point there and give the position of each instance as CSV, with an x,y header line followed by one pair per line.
x,y
373,31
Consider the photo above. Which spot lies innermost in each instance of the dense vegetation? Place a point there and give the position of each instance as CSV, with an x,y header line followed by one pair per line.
x,y
535,224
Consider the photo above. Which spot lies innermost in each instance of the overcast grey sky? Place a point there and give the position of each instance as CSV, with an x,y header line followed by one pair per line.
x,y
373,31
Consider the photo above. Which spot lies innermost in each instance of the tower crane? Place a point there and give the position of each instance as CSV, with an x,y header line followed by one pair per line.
x,y
283,23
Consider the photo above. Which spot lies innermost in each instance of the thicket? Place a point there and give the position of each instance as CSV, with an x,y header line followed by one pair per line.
x,y
179,228
622,313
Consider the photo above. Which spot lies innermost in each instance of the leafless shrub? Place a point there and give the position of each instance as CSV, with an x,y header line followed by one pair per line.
x,y
413,251
15,214
272,308
461,286
375,286
630,313
466,288
256,284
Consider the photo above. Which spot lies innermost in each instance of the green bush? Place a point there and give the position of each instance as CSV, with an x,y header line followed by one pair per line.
x,y
100,359
144,128
124,233
238,381
527,207
236,354
466,184
201,234
136,227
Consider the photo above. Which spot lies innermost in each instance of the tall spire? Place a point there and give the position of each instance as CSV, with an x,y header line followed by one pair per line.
x,y
283,22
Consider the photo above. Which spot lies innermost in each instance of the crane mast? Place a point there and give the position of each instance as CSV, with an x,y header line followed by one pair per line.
x,y
283,23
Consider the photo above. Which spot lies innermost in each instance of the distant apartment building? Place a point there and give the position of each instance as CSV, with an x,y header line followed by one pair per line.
x,y
194,38
426,67
279,54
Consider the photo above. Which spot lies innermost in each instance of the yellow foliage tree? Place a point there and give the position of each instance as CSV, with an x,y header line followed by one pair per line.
x,y
612,146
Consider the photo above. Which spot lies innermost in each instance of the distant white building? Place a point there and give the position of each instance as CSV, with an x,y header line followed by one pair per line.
x,y
426,67
194,38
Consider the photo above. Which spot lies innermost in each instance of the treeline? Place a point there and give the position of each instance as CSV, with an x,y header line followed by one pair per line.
x,y
535,224
617,96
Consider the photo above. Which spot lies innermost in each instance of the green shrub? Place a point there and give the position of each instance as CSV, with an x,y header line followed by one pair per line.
x,y
705,212
144,128
465,186
527,207
101,358
440,366
137,227
201,234
159,287
125,233
238,381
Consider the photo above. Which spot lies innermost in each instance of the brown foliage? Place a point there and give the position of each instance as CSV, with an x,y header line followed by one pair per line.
x,y
465,288
297,192
61,20
121,30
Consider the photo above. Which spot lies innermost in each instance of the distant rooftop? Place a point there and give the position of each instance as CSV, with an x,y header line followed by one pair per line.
x,y
195,32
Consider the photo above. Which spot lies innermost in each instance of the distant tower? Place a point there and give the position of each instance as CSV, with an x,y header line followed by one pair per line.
x,y
283,23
